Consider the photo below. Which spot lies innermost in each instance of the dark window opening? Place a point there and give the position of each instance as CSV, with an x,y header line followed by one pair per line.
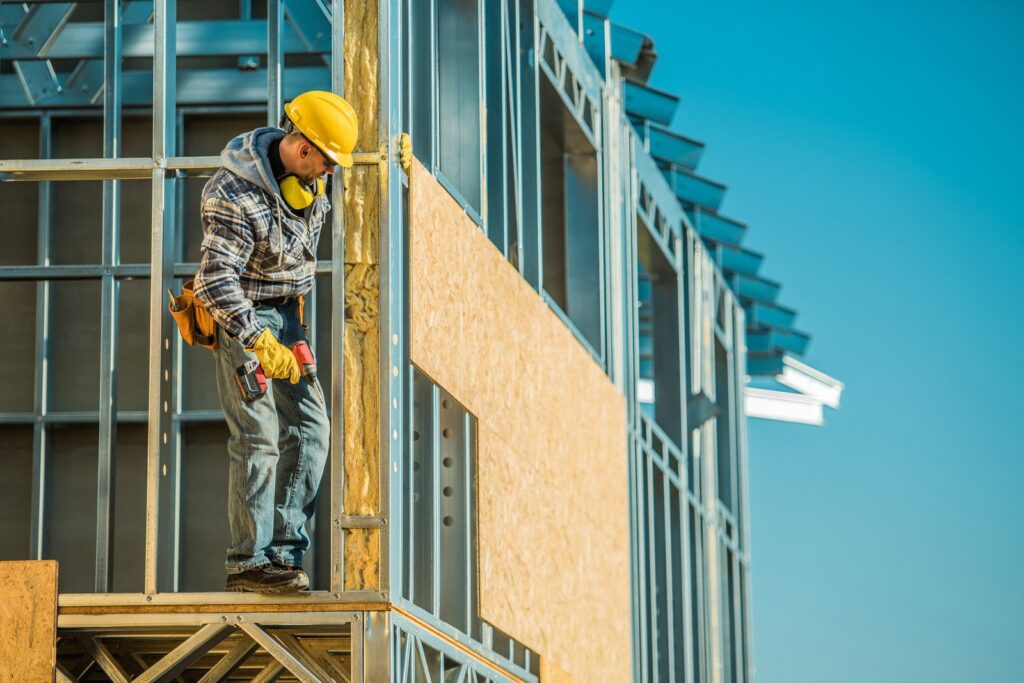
x,y
660,383
458,96
571,217
725,450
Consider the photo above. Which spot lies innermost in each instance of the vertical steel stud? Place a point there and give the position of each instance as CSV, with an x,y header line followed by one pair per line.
x,y
107,453
40,431
275,61
337,476
161,276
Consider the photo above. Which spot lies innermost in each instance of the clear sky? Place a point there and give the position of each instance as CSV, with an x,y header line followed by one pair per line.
x,y
877,151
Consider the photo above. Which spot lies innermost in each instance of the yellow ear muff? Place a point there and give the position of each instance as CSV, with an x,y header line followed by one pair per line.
x,y
297,195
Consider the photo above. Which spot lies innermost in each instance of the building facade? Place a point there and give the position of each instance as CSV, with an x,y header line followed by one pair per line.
x,y
537,332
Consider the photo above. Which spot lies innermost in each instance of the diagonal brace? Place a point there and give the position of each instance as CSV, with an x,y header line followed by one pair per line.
x,y
179,659
278,652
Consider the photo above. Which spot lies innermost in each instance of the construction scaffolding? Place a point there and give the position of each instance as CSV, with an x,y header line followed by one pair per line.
x,y
536,343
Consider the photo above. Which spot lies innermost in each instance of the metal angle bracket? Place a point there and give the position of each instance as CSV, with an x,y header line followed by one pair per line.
x,y
361,521
699,409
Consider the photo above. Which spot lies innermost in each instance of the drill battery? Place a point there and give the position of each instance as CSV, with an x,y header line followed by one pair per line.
x,y
251,380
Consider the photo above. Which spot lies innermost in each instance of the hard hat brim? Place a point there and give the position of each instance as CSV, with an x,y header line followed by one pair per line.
x,y
343,160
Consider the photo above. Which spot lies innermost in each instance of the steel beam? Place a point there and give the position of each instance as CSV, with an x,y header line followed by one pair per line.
x,y
269,673
337,439
392,349
275,61
62,675
279,652
196,87
179,659
99,652
132,620
531,263
230,661
40,432
107,448
161,269
294,647
375,661
209,38
126,168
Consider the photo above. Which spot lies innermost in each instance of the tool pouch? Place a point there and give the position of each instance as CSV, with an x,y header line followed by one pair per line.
x,y
197,326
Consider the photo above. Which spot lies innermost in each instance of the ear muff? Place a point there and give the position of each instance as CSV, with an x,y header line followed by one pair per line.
x,y
297,195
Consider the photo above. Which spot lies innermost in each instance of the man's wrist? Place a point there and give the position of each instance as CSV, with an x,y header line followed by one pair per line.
x,y
250,336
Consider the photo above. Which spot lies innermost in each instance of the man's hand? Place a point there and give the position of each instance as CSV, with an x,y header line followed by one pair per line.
x,y
277,360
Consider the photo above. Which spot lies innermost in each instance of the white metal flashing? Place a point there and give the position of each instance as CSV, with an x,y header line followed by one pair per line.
x,y
783,406
814,390
810,382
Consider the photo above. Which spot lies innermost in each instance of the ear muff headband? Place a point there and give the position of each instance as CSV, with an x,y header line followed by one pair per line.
x,y
297,195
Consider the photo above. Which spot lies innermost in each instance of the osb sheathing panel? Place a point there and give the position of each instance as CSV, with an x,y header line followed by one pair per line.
x,y
362,290
28,620
552,487
552,673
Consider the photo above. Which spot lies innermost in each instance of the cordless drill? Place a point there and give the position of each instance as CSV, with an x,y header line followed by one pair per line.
x,y
307,363
250,380
252,383
304,357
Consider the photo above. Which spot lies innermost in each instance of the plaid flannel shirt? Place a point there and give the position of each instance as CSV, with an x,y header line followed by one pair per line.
x,y
253,248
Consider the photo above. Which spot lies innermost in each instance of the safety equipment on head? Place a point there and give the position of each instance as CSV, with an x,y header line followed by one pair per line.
x,y
297,194
328,121
277,360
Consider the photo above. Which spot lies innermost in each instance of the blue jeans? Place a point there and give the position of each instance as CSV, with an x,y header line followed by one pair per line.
x,y
277,450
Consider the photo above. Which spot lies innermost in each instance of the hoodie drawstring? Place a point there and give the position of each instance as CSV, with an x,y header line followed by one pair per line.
x,y
280,231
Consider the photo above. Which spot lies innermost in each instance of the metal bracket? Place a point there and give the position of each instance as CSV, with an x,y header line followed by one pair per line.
x,y
361,521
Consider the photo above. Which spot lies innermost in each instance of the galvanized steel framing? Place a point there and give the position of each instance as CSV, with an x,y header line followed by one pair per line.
x,y
687,547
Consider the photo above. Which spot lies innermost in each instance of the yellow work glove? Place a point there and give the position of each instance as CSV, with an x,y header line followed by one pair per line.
x,y
277,360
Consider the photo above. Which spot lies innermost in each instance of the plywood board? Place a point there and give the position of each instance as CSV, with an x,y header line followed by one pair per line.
x,y
28,620
552,673
552,485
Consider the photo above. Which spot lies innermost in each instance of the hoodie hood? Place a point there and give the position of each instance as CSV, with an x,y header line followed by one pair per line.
x,y
246,157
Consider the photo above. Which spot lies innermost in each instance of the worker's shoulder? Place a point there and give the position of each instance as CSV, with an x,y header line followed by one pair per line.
x,y
226,186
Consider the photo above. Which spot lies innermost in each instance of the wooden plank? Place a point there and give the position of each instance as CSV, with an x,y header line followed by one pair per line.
x,y
28,620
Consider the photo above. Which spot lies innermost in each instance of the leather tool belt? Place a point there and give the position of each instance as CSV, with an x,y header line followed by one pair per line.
x,y
197,326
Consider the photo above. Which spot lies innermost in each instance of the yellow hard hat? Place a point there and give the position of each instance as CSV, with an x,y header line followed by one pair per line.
x,y
329,121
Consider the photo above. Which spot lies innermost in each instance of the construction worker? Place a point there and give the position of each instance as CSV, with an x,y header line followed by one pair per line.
x,y
262,214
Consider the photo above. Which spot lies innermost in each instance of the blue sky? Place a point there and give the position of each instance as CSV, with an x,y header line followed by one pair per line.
x,y
877,152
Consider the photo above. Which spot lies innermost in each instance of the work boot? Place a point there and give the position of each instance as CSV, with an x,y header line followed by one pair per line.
x,y
302,579
267,579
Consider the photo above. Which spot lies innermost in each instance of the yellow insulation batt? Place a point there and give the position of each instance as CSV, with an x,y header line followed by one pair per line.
x,y
362,289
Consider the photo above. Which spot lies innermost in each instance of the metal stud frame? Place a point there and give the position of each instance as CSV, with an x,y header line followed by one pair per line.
x,y
690,546
241,646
